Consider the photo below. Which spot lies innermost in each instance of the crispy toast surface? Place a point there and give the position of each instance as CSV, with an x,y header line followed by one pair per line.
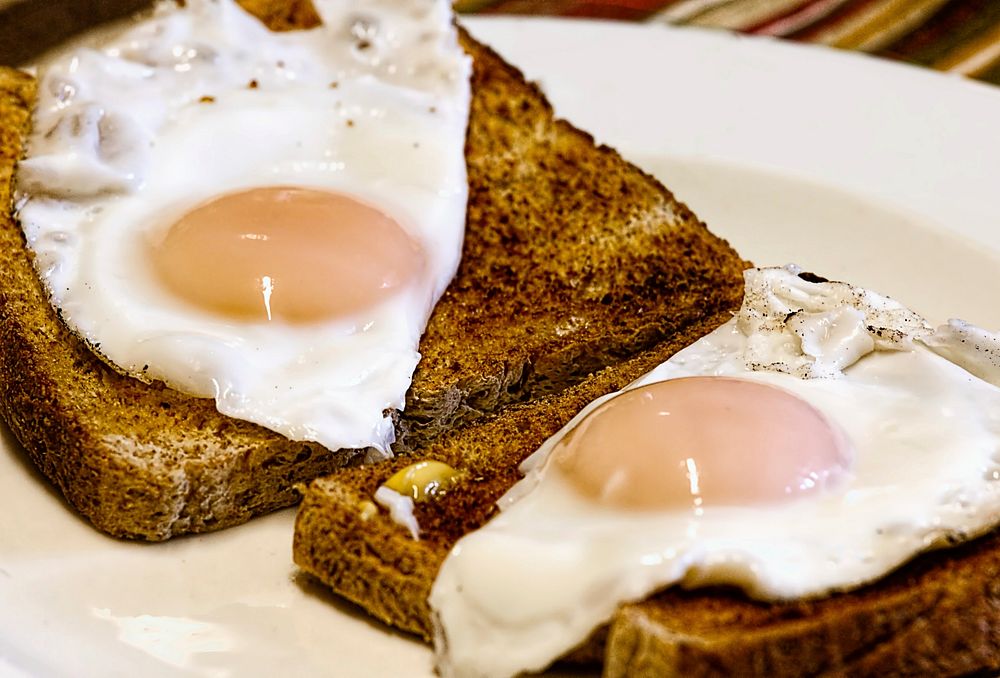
x,y
573,260
576,260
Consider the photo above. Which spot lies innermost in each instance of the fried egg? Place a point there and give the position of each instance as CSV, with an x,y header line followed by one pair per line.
x,y
262,218
818,440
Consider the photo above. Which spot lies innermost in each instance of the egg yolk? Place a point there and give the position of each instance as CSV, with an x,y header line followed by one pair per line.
x,y
697,441
295,254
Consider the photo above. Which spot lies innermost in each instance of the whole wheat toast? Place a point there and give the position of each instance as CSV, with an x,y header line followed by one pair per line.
x,y
573,259
939,615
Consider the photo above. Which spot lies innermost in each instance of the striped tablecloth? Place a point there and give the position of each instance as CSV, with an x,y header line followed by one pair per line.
x,y
960,36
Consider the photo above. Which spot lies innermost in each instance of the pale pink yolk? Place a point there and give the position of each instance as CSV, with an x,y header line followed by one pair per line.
x,y
295,254
698,441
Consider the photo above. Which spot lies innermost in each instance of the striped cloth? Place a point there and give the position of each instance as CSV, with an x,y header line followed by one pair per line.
x,y
959,36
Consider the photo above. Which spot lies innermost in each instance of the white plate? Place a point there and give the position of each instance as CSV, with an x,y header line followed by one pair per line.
x,y
859,169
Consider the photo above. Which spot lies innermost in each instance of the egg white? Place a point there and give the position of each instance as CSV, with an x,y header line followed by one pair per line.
x,y
553,565
198,102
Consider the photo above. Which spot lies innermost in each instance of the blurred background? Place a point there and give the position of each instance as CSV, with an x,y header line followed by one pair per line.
x,y
960,36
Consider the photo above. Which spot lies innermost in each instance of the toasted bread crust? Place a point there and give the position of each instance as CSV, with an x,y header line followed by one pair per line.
x,y
526,315
607,245
939,615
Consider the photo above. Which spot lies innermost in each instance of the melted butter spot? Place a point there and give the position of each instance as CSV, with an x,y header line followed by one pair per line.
x,y
423,479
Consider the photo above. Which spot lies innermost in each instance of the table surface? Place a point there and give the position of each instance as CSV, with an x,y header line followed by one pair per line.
x,y
959,36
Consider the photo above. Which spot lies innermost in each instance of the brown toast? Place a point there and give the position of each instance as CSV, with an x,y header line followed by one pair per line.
x,y
939,615
573,260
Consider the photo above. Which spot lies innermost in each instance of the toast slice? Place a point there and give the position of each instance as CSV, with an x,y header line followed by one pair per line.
x,y
939,615
573,260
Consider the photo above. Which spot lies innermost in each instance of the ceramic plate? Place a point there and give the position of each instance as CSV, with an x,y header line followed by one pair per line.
x,y
876,173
